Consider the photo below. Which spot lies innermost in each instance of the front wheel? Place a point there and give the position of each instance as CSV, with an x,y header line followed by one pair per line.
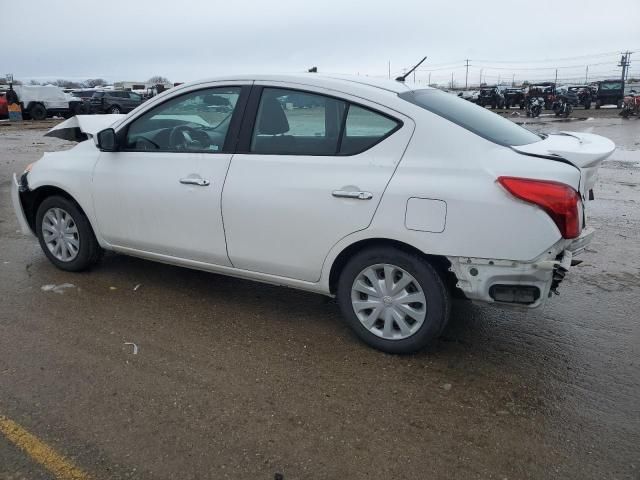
x,y
115,109
65,235
393,300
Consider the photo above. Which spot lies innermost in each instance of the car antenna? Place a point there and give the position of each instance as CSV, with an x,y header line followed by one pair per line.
x,y
402,78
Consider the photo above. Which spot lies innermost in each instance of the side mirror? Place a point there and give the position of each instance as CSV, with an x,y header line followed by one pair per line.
x,y
107,140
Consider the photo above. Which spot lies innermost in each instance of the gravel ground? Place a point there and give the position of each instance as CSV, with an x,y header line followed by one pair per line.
x,y
240,380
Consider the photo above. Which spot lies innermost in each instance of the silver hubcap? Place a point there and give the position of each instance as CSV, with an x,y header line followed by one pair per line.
x,y
388,301
60,234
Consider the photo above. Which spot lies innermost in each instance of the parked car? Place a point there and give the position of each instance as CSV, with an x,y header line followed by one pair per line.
x,y
115,101
544,90
492,96
514,96
610,92
471,95
370,195
585,95
39,102
4,106
83,94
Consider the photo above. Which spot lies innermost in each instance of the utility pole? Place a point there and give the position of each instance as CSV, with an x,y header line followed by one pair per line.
x,y
429,84
556,80
586,75
451,79
466,76
480,78
513,80
625,61
414,76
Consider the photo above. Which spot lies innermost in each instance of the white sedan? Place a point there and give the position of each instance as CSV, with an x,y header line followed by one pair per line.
x,y
388,197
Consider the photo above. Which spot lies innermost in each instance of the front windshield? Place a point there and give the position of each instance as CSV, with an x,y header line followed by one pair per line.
x,y
474,118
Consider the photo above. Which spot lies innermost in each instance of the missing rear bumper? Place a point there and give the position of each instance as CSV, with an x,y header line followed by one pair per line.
x,y
524,284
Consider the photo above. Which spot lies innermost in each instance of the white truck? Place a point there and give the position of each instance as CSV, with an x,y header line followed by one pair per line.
x,y
39,102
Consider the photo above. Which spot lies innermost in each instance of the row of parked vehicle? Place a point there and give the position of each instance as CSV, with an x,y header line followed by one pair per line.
x,y
606,92
39,102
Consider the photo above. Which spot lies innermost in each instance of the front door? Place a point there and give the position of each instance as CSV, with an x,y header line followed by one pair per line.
x,y
313,170
160,193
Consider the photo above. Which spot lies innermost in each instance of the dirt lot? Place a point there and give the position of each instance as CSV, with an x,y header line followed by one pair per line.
x,y
239,380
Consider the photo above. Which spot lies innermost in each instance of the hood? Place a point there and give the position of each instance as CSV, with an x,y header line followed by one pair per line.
x,y
585,151
82,127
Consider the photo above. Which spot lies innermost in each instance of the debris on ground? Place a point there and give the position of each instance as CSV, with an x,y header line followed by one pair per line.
x,y
447,386
56,288
135,347
137,287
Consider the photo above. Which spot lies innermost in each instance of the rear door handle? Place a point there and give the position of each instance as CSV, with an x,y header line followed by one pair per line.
x,y
352,194
201,182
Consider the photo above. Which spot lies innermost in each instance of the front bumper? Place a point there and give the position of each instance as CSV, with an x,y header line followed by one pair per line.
x,y
476,276
17,206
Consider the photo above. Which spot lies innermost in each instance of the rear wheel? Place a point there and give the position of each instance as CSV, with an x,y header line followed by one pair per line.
x,y
598,104
38,112
619,104
65,235
393,300
114,109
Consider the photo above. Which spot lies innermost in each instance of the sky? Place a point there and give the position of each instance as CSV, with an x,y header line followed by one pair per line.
x,y
187,40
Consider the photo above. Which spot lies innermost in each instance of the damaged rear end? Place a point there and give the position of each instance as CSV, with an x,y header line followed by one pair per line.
x,y
530,283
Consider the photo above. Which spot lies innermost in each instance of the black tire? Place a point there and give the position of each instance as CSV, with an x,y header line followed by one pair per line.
x,y
114,109
587,106
619,104
598,104
89,251
438,301
38,112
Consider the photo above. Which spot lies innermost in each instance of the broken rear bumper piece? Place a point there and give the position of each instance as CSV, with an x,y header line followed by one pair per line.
x,y
525,284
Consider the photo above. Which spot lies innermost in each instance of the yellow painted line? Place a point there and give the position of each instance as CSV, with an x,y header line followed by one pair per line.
x,y
39,451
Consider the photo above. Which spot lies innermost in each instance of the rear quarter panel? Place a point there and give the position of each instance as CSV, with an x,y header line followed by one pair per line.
x,y
448,163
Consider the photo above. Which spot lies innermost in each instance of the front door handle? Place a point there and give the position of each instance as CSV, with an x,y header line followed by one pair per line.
x,y
201,182
352,194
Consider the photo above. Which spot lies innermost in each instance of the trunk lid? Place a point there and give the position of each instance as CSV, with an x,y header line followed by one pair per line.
x,y
585,151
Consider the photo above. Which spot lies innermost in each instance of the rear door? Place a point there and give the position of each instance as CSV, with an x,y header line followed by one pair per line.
x,y
311,169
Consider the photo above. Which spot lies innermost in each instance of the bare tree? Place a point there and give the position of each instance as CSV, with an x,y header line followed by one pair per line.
x,y
34,82
158,79
67,83
95,82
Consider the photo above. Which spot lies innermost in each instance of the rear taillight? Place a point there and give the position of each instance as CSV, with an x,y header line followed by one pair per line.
x,y
560,201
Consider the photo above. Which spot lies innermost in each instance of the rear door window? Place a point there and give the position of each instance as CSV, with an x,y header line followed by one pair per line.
x,y
291,122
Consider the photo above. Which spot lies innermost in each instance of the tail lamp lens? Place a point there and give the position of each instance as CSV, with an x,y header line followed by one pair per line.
x,y
560,201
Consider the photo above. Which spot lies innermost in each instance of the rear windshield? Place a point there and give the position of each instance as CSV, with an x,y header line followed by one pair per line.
x,y
474,118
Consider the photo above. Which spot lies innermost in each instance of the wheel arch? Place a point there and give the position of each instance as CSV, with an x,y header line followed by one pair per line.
x,y
32,199
439,262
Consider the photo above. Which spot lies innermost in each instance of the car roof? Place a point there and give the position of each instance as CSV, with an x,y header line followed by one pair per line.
x,y
338,82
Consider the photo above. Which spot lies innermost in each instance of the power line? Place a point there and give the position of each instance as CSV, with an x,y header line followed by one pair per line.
x,y
595,55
